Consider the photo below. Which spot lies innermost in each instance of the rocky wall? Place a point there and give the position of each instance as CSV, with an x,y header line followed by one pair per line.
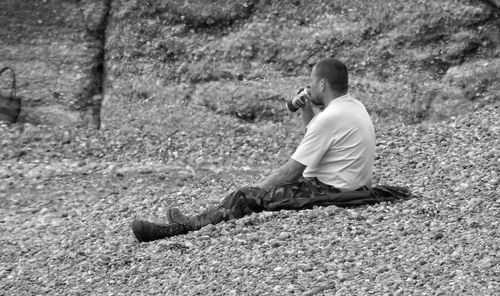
x,y
55,48
166,63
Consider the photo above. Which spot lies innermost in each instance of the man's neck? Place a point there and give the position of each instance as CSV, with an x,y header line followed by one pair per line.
x,y
331,97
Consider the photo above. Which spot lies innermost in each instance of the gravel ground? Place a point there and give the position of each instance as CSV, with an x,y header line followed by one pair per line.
x,y
64,222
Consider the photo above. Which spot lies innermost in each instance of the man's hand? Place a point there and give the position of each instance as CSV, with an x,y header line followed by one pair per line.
x,y
299,100
302,100
289,173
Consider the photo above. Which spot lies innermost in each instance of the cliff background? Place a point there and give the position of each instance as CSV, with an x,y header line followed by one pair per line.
x,y
146,61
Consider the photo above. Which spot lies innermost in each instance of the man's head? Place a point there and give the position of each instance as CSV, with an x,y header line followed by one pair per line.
x,y
329,79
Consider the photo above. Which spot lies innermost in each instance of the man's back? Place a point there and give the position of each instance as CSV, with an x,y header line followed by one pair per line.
x,y
339,145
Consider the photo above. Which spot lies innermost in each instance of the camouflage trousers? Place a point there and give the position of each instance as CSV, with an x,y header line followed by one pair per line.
x,y
303,194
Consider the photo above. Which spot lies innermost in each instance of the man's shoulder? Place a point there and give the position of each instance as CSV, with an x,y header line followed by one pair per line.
x,y
345,101
325,122
341,113
347,106
332,112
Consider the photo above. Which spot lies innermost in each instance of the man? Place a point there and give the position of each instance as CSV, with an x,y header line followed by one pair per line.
x,y
332,165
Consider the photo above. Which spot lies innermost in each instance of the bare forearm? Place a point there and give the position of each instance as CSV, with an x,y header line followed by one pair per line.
x,y
287,174
277,178
307,114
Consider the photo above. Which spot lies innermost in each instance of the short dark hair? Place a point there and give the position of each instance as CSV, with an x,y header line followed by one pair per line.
x,y
334,72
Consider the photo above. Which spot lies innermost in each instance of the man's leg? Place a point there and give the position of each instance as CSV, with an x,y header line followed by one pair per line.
x,y
237,204
297,196
248,200
306,193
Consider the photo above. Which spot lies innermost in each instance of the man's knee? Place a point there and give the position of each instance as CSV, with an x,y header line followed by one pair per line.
x,y
245,198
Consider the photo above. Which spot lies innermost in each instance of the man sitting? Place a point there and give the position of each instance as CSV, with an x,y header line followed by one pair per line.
x,y
332,165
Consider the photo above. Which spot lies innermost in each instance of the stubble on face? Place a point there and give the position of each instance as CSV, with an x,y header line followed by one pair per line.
x,y
315,91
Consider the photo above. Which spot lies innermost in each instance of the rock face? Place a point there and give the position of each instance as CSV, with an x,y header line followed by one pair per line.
x,y
54,48
241,59
10,104
145,62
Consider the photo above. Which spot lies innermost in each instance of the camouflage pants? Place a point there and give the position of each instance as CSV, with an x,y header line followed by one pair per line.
x,y
303,194
293,196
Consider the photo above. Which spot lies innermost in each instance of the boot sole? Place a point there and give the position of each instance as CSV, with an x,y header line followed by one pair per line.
x,y
136,229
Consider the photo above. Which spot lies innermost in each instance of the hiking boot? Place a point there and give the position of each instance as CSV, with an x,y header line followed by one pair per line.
x,y
146,231
175,216
213,216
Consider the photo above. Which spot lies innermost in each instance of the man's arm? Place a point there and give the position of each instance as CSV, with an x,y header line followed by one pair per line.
x,y
307,113
286,174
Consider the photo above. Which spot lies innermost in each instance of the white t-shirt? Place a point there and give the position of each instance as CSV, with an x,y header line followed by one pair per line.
x,y
338,147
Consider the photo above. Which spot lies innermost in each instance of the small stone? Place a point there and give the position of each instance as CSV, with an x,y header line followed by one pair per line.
x,y
253,237
488,262
274,243
459,274
343,276
240,223
438,235
305,267
284,235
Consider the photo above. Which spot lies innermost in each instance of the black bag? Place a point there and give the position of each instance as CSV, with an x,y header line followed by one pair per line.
x,y
10,106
